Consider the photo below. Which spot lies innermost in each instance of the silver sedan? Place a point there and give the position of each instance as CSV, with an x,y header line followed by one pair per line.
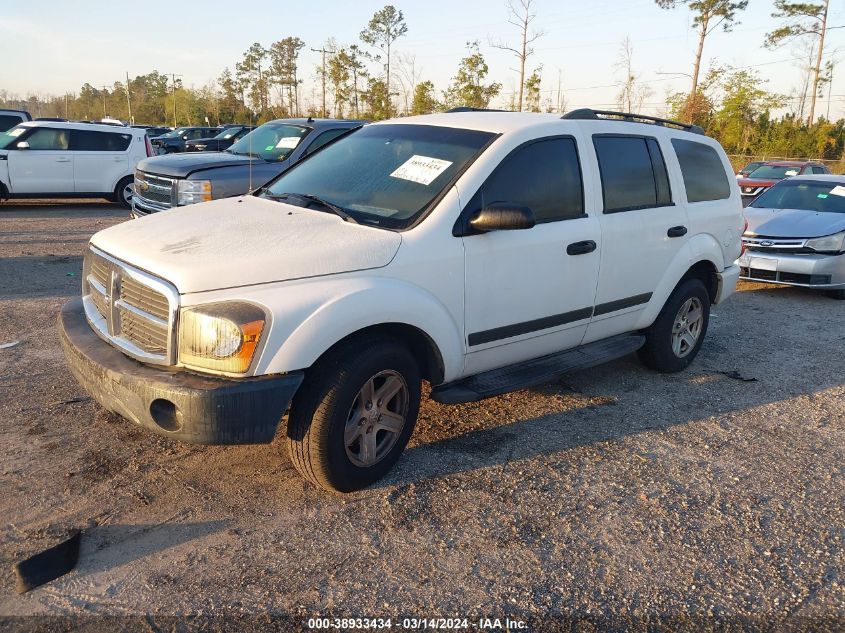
x,y
796,235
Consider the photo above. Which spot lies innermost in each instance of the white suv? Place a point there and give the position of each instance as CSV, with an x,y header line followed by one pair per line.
x,y
51,159
480,251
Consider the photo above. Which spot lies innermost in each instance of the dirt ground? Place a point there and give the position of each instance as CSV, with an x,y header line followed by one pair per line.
x,y
613,498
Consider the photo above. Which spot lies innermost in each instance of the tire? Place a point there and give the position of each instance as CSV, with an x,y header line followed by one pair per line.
x,y
123,192
838,294
334,440
668,352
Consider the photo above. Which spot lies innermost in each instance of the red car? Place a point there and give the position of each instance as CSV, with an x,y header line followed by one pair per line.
x,y
771,172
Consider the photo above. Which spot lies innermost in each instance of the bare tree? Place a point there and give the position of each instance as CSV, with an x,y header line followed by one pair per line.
x,y
521,15
409,75
802,19
633,93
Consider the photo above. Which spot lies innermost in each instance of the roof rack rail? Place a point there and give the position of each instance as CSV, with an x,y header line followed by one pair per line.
x,y
605,115
468,109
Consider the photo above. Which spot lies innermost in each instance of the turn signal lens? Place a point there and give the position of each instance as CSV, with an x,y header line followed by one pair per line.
x,y
220,336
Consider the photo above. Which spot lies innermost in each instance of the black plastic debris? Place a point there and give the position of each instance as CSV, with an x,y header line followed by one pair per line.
x,y
47,565
735,375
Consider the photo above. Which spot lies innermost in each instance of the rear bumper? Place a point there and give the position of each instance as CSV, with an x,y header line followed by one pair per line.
x,y
176,404
726,283
824,272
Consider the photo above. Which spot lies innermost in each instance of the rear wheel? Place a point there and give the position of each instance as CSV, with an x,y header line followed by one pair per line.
x,y
675,337
124,191
353,415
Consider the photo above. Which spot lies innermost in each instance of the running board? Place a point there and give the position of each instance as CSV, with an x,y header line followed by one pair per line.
x,y
538,370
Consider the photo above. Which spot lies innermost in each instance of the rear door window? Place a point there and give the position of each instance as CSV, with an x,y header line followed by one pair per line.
x,y
8,121
703,172
633,173
92,141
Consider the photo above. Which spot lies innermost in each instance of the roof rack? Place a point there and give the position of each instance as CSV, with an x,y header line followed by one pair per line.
x,y
605,115
468,109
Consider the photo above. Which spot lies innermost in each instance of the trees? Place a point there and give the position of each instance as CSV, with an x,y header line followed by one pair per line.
x,y
424,101
520,15
384,28
468,87
802,19
708,15
532,90
284,56
745,106
338,76
253,73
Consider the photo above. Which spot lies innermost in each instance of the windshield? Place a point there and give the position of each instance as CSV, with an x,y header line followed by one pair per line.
x,y
810,195
271,141
385,175
774,172
10,136
229,132
177,132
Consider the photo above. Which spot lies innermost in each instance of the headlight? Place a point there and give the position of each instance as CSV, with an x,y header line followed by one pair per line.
x,y
220,336
192,191
828,244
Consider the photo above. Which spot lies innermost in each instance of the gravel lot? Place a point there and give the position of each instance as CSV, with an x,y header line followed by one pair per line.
x,y
609,499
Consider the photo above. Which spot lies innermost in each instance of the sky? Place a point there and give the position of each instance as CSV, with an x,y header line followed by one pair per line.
x,y
54,46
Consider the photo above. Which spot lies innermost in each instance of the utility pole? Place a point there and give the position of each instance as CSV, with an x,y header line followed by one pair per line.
x,y
105,89
173,76
66,116
128,102
323,73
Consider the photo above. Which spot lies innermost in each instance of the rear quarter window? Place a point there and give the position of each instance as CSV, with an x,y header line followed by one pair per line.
x,y
703,172
8,121
91,141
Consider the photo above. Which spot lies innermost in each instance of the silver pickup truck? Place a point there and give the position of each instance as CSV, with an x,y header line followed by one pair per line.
x,y
163,182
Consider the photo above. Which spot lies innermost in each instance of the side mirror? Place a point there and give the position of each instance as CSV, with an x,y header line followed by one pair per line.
x,y
22,145
502,216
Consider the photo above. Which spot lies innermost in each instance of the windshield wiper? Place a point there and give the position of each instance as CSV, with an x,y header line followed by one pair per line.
x,y
331,206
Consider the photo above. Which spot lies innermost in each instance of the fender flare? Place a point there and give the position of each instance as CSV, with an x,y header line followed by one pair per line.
x,y
375,302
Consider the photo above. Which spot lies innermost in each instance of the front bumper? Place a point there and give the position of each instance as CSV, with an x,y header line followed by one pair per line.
x,y
176,404
806,270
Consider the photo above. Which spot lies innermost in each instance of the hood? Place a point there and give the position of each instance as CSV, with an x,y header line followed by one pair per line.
x,y
245,241
793,222
756,182
183,165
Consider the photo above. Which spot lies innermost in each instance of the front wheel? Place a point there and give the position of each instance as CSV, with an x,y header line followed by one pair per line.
x,y
124,191
353,415
675,337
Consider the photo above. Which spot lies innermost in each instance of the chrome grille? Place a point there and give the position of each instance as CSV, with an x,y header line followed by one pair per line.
x,y
144,298
152,192
130,308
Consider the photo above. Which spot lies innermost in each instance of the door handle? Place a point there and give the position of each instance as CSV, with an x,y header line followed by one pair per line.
x,y
62,159
581,248
677,231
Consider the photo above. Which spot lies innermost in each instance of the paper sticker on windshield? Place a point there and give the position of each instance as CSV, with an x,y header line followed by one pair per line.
x,y
791,172
287,142
421,169
838,190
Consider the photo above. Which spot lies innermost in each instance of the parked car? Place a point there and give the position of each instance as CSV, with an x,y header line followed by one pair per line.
x,y
224,140
174,141
771,172
745,171
11,118
169,181
44,159
154,130
481,251
796,235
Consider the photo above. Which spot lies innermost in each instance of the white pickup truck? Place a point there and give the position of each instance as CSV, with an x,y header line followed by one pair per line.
x,y
480,251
